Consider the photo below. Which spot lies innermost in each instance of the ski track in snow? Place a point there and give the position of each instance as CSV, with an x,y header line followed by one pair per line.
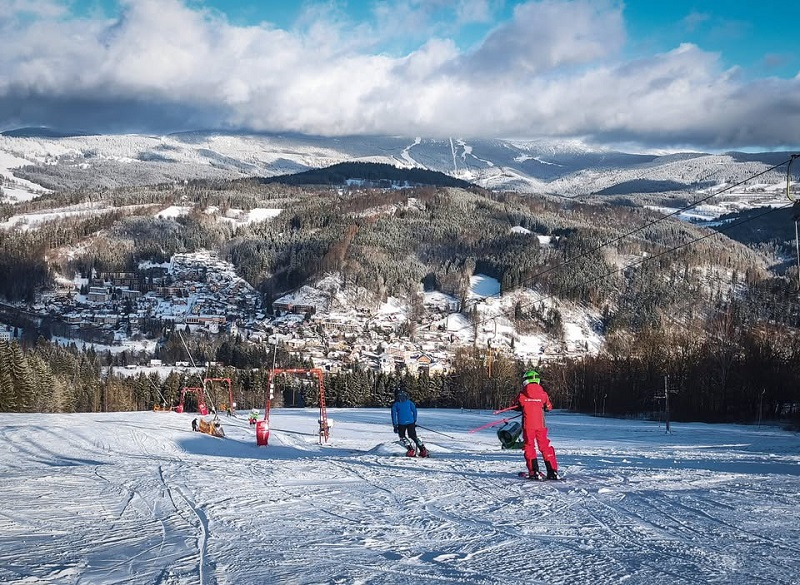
x,y
139,498
454,155
406,153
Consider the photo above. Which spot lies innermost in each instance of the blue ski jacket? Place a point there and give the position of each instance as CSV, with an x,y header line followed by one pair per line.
x,y
404,412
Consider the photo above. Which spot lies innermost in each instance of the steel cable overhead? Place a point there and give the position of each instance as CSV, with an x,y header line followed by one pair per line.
x,y
637,263
646,225
634,231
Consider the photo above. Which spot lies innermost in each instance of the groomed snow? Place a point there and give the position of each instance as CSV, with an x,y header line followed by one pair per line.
x,y
137,497
482,286
27,221
14,188
241,217
174,211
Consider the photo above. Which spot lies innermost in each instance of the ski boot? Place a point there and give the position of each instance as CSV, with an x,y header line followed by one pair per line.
x,y
410,451
533,470
422,451
552,473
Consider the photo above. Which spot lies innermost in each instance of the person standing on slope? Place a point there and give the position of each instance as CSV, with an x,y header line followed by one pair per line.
x,y
404,420
533,401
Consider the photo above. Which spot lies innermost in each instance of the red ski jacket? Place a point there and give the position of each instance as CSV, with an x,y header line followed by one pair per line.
x,y
533,401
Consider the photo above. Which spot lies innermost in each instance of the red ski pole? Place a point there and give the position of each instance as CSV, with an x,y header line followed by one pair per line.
x,y
497,422
506,409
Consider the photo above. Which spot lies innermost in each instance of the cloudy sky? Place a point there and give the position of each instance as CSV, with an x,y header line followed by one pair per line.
x,y
684,73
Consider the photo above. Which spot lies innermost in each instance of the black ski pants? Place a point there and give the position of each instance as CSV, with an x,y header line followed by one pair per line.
x,y
411,430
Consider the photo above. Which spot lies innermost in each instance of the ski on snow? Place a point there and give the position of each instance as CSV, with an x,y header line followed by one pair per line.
x,y
411,452
540,477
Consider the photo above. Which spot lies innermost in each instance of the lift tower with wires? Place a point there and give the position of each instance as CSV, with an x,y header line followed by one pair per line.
x,y
665,397
231,402
324,427
795,212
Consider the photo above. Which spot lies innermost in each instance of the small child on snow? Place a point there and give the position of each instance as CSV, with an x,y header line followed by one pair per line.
x,y
533,401
404,420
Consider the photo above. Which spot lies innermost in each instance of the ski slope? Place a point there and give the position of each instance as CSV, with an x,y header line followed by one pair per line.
x,y
137,497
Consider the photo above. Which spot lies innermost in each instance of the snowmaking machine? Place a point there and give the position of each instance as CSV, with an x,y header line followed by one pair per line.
x,y
509,435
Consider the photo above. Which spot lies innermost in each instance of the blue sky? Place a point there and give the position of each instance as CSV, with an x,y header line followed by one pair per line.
x,y
756,36
663,74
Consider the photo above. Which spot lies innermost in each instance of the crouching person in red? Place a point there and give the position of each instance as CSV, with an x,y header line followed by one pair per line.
x,y
533,401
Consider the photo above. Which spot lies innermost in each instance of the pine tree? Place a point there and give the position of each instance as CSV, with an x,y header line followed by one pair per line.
x,y
23,379
7,396
45,386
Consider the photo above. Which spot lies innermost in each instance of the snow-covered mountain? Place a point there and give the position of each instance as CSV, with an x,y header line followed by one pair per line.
x,y
565,168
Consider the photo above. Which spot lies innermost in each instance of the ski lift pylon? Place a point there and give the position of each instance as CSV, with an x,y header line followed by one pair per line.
x,y
324,427
231,401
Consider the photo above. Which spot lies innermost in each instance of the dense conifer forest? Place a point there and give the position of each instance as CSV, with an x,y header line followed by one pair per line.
x,y
369,174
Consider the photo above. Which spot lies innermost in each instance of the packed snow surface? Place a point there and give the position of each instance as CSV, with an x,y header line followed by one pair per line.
x,y
137,497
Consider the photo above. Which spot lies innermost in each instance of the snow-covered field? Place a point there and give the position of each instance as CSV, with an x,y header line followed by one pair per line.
x,y
137,497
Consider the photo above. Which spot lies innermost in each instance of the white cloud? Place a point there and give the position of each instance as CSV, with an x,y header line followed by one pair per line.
x,y
694,19
554,69
429,18
547,35
470,11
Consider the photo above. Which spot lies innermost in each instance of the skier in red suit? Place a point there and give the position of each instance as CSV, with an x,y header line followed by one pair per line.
x,y
533,401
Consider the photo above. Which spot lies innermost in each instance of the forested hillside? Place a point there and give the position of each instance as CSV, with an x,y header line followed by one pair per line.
x,y
368,175
683,306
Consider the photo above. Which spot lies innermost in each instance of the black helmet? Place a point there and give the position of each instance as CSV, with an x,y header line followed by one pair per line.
x,y
400,395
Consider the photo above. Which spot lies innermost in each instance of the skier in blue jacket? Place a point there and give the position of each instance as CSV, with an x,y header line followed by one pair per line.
x,y
404,419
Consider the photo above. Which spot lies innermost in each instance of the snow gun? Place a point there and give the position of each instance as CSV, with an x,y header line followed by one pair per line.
x,y
509,433
511,430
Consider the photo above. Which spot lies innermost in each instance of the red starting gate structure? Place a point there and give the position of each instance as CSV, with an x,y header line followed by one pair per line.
x,y
324,429
201,401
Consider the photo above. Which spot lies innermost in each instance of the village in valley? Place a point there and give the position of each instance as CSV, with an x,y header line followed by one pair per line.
x,y
328,324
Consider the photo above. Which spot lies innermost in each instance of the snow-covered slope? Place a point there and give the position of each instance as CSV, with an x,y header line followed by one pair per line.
x,y
564,168
137,497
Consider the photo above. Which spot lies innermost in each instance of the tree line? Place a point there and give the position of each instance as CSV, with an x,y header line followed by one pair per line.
x,y
736,375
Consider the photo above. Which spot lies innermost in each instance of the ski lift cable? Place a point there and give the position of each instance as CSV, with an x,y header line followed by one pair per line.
x,y
789,176
186,347
711,277
649,224
691,328
437,432
194,365
645,259
641,228
163,399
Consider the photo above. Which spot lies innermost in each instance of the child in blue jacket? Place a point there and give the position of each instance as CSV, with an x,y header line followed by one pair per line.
x,y
404,420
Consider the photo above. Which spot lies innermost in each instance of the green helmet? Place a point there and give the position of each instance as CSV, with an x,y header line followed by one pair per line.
x,y
531,377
